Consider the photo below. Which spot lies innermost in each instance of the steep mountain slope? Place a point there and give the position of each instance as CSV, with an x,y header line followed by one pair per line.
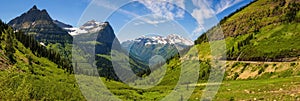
x,y
38,23
92,31
145,47
262,41
265,30
99,39
61,24
27,73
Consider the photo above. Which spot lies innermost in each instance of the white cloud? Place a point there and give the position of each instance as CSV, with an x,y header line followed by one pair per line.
x,y
161,9
152,22
165,8
106,4
224,4
201,13
205,9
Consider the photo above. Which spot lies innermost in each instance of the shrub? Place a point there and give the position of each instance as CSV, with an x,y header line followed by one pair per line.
x,y
235,76
231,99
261,70
235,64
293,64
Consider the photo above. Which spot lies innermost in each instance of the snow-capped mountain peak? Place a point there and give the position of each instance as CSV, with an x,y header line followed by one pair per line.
x,y
158,41
170,39
175,39
145,47
89,27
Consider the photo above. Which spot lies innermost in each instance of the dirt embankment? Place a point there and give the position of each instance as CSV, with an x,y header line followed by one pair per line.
x,y
257,69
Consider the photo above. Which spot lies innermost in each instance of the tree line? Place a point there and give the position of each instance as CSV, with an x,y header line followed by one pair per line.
x,y
9,36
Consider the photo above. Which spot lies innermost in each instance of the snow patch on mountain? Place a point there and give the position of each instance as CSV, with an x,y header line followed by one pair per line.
x,y
89,27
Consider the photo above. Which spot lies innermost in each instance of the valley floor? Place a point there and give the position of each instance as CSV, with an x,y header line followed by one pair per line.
x,y
279,89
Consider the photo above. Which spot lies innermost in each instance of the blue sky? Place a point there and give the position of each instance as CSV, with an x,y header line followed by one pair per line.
x,y
68,11
189,18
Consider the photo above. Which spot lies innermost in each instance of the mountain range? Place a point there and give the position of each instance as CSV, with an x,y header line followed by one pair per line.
x,y
145,47
262,42
98,38
141,49
247,38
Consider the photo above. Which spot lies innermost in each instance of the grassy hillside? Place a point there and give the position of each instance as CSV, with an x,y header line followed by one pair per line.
x,y
266,30
261,40
26,75
244,80
36,78
284,87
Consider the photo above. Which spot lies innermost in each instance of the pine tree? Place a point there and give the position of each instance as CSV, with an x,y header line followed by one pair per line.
x,y
8,37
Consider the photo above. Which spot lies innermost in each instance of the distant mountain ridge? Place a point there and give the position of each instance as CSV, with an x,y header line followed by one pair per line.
x,y
38,23
145,47
170,39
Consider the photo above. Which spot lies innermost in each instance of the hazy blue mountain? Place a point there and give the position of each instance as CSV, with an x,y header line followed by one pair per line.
x,y
145,47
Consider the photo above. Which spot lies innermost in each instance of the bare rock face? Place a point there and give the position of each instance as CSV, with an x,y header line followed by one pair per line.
x,y
38,23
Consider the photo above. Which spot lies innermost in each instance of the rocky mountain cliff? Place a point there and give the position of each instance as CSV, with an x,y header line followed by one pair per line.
x,y
99,34
38,23
99,38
